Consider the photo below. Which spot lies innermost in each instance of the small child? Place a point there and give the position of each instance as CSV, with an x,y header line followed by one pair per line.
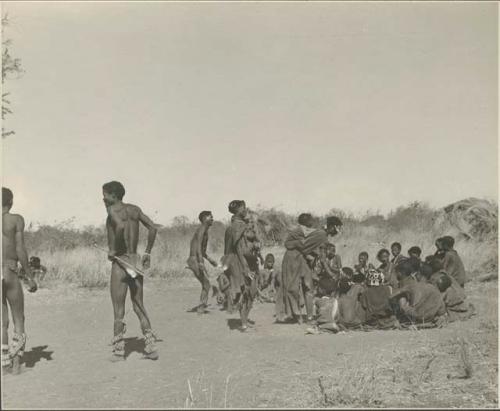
x,y
333,259
415,252
387,268
326,308
268,280
363,265
397,257
39,271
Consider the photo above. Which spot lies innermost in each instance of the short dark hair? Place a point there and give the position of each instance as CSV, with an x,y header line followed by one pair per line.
x,y
396,244
235,205
269,257
116,188
203,215
448,242
363,253
344,286
7,197
358,278
406,268
426,270
348,272
382,251
305,219
34,261
443,282
333,220
415,250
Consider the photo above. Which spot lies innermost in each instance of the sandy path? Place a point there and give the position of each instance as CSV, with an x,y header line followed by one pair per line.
x,y
273,365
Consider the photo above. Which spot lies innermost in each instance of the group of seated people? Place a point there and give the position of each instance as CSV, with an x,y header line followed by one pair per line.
x,y
401,292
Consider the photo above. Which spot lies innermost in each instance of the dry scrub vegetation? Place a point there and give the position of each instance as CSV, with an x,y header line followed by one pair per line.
x,y
69,256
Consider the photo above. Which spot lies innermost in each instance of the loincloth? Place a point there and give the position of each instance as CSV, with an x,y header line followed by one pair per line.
x,y
133,259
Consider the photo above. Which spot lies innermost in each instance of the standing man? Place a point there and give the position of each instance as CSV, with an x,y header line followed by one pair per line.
x,y
122,226
13,250
197,254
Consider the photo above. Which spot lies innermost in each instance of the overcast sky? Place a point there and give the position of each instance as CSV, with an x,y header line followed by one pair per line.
x,y
300,106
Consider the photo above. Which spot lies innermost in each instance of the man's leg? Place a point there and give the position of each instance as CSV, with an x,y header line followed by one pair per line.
x,y
6,361
308,300
15,298
136,294
118,288
195,268
205,289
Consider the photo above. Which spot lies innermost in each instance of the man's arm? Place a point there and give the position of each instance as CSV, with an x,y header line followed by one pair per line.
x,y
22,254
204,244
152,231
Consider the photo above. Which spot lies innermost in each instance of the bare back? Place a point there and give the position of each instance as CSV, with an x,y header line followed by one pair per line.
x,y
10,226
129,215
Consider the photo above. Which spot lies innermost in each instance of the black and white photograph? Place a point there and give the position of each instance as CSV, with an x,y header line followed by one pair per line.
x,y
249,204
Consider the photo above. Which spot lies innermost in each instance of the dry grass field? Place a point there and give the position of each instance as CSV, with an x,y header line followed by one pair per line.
x,y
205,362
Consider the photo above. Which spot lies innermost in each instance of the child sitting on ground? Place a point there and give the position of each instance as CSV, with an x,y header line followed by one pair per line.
x,y
387,268
363,265
326,308
268,280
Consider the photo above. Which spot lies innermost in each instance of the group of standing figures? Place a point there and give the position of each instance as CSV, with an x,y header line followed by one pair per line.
x,y
241,279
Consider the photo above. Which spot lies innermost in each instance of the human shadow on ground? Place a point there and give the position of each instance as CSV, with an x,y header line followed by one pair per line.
x,y
30,358
234,323
134,344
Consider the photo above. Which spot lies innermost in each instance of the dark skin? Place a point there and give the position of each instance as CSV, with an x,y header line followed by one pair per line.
x,y
122,227
395,250
362,259
242,213
13,248
384,258
198,247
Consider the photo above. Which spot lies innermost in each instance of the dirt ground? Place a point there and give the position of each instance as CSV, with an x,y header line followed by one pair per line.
x,y
206,362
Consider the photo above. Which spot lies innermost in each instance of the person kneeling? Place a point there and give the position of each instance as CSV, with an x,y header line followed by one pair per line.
x,y
452,293
417,303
